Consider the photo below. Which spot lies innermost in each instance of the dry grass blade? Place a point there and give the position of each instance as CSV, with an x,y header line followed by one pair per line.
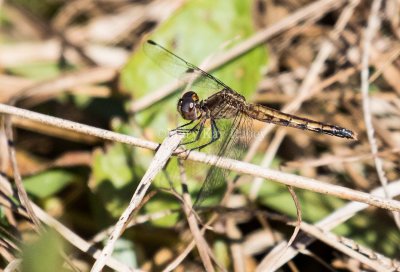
x,y
53,87
140,219
69,235
13,265
332,240
73,126
373,24
201,243
17,176
334,219
81,61
237,166
160,159
328,160
305,92
270,262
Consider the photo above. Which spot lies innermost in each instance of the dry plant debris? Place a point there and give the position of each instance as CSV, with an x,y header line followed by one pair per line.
x,y
64,184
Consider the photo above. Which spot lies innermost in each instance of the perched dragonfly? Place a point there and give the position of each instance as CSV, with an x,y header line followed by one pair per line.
x,y
224,104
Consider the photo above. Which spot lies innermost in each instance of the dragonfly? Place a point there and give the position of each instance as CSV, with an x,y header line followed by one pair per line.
x,y
225,111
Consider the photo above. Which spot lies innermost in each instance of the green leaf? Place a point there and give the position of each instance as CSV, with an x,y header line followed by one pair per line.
x,y
116,174
314,206
228,22
43,255
162,203
112,178
111,166
125,252
379,234
48,183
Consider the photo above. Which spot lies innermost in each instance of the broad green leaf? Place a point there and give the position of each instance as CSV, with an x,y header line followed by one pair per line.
x,y
372,233
43,255
228,22
112,179
215,26
314,206
116,174
48,183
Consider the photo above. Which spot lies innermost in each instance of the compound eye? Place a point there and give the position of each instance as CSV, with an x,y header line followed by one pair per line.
x,y
191,105
195,97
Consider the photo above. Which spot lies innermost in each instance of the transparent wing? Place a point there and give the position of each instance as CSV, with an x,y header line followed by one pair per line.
x,y
235,133
234,140
199,80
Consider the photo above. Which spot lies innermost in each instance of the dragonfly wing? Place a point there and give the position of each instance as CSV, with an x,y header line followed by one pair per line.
x,y
234,132
235,137
199,80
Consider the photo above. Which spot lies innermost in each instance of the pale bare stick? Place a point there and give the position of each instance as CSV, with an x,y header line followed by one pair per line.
x,y
66,81
331,221
77,241
373,25
237,166
270,263
140,219
13,265
69,235
332,240
326,160
304,93
173,265
198,237
236,248
22,194
159,161
77,127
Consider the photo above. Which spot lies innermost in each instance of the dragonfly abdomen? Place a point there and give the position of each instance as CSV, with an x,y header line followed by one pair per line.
x,y
269,115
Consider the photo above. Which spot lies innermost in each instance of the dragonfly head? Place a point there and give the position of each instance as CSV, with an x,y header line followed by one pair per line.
x,y
189,107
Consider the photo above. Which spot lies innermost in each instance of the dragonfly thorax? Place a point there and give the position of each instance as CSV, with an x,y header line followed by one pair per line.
x,y
189,106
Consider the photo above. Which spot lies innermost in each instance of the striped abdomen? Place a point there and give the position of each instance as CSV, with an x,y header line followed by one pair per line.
x,y
269,115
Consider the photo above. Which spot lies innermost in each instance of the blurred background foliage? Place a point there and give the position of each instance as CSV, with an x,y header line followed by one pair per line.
x,y
87,184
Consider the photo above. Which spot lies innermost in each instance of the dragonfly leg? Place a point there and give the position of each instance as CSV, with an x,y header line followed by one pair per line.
x,y
214,130
180,129
200,131
214,135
